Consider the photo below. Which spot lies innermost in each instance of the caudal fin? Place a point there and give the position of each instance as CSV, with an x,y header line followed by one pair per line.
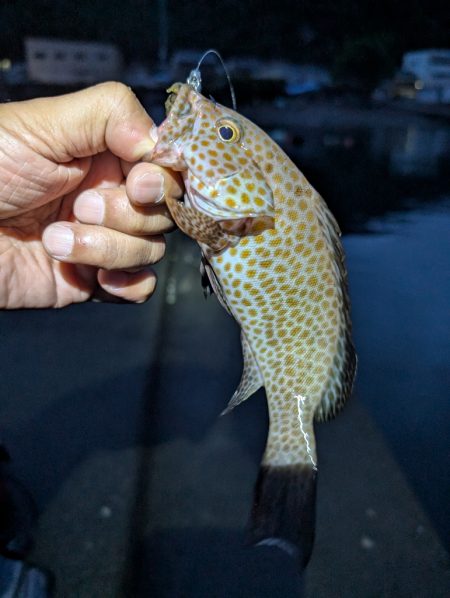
x,y
283,513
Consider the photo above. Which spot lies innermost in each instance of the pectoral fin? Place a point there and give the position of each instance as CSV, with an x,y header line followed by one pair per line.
x,y
211,283
251,379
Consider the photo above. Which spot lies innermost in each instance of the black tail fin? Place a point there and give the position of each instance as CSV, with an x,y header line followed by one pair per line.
x,y
283,512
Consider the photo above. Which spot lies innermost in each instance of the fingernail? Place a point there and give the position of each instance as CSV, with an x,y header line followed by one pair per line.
x,y
58,240
149,188
116,280
154,133
89,207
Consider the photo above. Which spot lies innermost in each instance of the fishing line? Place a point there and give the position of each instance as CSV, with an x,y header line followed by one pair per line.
x,y
195,77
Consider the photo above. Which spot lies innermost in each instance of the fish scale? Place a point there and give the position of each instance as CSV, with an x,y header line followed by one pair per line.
x,y
272,252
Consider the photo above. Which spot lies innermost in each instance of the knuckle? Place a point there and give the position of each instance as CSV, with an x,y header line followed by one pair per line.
x,y
116,89
112,253
131,252
152,224
114,96
122,95
142,225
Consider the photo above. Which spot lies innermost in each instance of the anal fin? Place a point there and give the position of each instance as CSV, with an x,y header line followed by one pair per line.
x,y
283,513
251,379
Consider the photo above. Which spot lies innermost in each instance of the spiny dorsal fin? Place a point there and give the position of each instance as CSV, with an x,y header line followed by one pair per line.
x,y
340,384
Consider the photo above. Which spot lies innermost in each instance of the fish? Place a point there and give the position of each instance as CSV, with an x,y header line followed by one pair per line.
x,y
271,252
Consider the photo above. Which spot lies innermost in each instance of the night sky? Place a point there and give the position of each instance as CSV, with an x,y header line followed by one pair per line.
x,y
360,35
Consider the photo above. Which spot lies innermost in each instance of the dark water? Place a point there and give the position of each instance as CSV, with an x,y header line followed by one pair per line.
x,y
367,171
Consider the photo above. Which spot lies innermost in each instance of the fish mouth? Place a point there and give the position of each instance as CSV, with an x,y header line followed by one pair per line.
x,y
169,155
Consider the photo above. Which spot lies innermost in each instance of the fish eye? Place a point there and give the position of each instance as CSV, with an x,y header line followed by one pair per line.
x,y
228,131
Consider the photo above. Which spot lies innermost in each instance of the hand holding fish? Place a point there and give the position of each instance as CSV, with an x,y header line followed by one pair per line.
x,y
79,218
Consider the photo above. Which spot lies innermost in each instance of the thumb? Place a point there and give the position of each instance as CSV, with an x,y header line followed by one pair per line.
x,y
87,122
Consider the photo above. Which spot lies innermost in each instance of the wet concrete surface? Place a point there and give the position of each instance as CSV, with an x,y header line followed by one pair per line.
x,y
111,415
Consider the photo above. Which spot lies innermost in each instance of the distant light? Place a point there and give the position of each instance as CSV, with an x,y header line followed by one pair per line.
x,y
5,64
418,84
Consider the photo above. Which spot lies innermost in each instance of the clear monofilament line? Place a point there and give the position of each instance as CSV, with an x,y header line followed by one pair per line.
x,y
195,78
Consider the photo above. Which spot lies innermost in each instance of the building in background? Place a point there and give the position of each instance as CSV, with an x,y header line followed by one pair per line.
x,y
61,62
430,70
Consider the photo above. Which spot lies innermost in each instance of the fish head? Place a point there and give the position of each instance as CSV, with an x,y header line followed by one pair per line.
x,y
211,146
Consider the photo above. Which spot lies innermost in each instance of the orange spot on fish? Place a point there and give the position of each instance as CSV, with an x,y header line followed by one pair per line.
x,y
320,245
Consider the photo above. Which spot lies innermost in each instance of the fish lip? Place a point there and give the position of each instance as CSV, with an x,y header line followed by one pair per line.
x,y
168,154
168,159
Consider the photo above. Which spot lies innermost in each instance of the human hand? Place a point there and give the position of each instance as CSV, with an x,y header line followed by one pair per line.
x,y
79,218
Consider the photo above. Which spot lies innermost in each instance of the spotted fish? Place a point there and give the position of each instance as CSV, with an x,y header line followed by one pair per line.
x,y
271,251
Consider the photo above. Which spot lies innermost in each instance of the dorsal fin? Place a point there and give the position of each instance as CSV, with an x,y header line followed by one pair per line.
x,y
339,386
